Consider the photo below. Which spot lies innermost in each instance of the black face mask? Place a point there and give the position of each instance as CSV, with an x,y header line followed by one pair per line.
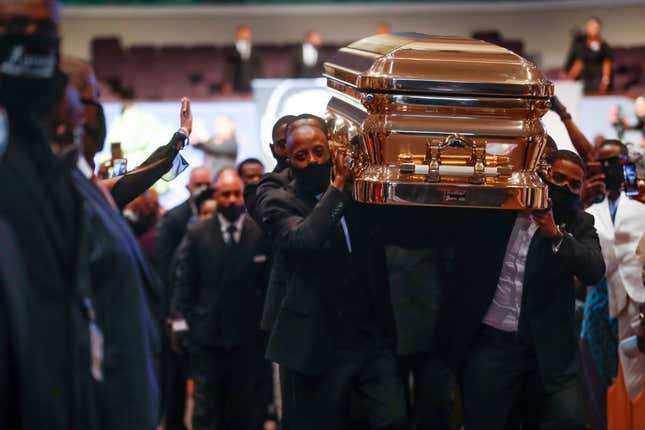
x,y
313,179
282,163
614,176
28,66
95,134
232,212
565,203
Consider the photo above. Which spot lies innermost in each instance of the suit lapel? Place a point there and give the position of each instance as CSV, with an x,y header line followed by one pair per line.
x,y
604,217
622,212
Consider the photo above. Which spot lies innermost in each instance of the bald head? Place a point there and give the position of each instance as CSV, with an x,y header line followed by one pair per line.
x,y
200,177
307,145
228,190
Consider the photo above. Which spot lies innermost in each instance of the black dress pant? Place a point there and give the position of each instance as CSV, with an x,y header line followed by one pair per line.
x,y
355,388
431,400
502,389
223,393
175,390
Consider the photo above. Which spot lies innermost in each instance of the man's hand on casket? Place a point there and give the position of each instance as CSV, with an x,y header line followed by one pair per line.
x,y
343,172
546,223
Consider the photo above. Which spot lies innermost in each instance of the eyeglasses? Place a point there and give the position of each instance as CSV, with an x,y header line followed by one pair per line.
x,y
562,179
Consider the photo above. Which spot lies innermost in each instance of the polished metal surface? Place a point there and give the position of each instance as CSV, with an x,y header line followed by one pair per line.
x,y
439,121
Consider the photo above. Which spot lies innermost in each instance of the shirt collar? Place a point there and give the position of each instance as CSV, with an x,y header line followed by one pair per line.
x,y
84,167
224,223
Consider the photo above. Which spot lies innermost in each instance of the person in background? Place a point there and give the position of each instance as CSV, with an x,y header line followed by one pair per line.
x,y
54,217
171,230
620,223
250,170
142,214
219,272
592,59
620,124
243,63
220,150
278,150
333,334
206,204
65,126
523,365
383,28
164,162
307,61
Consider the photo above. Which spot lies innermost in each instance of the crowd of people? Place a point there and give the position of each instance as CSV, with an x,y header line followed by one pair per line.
x,y
275,299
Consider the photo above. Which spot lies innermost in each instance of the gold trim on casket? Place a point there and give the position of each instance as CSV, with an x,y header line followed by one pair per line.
x,y
439,121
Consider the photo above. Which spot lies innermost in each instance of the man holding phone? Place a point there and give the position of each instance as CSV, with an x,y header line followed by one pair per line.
x,y
620,222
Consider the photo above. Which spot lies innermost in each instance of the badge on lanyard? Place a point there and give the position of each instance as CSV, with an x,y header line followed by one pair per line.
x,y
96,342
4,131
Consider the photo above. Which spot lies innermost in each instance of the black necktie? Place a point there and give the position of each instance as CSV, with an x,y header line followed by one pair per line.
x,y
231,230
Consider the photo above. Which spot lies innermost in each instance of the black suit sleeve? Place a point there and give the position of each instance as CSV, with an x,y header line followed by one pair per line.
x,y
581,254
150,171
296,233
185,276
169,230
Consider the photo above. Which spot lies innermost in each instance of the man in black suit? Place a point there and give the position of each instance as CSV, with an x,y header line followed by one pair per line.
x,y
334,333
89,298
417,276
171,230
521,365
279,151
219,272
307,60
243,62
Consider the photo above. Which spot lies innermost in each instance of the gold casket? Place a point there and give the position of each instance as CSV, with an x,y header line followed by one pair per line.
x,y
439,121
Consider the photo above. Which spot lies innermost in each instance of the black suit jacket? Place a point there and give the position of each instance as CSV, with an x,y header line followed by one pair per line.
x,y
548,295
548,299
171,231
217,287
241,72
300,70
302,227
256,197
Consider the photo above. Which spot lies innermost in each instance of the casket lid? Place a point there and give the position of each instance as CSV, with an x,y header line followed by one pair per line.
x,y
420,63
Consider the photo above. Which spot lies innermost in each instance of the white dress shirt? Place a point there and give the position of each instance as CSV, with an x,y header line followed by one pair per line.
x,y
244,48
309,54
225,224
504,312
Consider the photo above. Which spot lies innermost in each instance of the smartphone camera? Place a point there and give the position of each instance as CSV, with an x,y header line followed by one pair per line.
x,y
631,179
119,167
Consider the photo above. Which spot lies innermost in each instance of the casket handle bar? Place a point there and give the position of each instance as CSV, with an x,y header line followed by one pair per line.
x,y
477,166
